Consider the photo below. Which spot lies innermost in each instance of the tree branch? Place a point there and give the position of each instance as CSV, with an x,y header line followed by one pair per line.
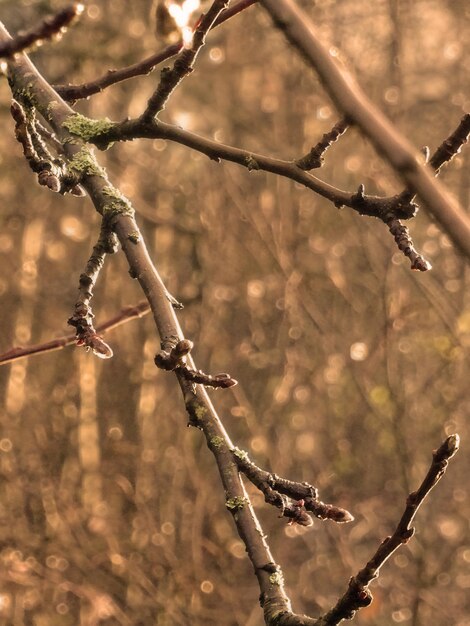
x,y
118,211
351,101
72,93
358,594
315,157
126,315
82,318
272,486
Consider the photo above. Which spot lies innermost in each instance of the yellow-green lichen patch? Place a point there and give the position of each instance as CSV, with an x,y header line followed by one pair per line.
x,y
276,579
87,128
84,163
241,454
200,411
217,442
117,204
235,504
134,237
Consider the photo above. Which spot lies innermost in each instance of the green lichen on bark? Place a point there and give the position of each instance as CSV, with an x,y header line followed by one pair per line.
x,y
235,504
217,442
241,454
276,579
116,204
88,129
84,163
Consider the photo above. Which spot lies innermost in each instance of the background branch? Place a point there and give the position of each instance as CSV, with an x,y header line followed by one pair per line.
x,y
126,315
47,29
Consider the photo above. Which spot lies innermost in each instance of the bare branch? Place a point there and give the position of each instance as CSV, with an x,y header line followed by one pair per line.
x,y
444,153
108,201
358,594
72,93
47,29
350,99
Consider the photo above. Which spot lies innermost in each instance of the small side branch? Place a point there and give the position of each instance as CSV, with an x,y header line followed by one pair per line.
x,y
450,147
301,497
47,29
82,318
171,78
315,158
173,357
358,594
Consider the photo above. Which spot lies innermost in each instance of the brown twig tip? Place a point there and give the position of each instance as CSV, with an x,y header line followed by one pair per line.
x,y
315,157
448,448
401,234
50,27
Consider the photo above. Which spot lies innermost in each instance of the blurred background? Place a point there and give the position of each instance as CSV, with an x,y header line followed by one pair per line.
x,y
352,368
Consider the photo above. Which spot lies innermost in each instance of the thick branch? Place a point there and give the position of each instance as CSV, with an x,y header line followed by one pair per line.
x,y
351,101
358,594
144,67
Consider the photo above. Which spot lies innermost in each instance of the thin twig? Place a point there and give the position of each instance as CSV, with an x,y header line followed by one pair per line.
x,y
47,29
358,594
72,93
315,157
444,153
126,315
171,78
173,355
82,318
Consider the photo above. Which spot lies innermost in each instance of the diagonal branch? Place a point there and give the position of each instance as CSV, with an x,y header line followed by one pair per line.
x,y
358,594
352,102
141,68
120,215
315,157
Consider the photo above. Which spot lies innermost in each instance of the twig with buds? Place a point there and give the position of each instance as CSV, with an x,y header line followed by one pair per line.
x,y
301,497
82,318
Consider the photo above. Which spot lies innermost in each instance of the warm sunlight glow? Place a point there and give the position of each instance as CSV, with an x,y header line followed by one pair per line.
x,y
182,14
